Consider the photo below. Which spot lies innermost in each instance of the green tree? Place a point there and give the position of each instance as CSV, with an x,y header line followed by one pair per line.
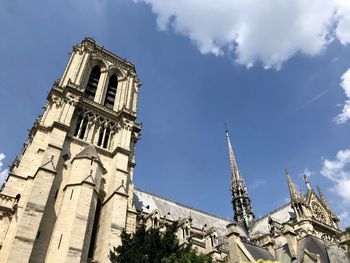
x,y
152,246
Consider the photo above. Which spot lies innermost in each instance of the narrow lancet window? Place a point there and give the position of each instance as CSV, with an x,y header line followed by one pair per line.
x,y
91,86
106,138
83,128
100,136
111,91
77,125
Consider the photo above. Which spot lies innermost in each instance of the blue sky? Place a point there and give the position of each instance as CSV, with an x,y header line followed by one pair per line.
x,y
274,72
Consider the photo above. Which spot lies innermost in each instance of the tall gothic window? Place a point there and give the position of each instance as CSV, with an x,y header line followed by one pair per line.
x,y
91,86
111,91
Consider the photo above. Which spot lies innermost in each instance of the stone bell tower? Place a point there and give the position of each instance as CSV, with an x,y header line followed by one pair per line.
x,y
69,193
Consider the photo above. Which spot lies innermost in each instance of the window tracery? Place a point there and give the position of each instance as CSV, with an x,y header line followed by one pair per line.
x,y
94,128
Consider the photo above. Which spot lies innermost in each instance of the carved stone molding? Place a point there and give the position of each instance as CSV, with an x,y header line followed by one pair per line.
x,y
89,45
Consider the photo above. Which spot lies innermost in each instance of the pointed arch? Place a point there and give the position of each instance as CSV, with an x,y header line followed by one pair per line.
x,y
91,86
111,91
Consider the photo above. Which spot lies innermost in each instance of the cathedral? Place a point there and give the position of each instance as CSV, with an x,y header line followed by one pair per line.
x,y
70,194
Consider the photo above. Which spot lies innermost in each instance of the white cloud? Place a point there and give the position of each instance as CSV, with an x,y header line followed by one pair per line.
x,y
258,183
338,171
343,17
307,172
3,173
345,84
269,31
345,218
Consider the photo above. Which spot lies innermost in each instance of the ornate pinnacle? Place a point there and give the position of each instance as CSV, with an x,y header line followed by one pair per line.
x,y
325,203
322,197
294,194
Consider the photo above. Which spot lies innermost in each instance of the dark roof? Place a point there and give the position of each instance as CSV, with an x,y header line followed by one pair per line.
x,y
313,245
258,252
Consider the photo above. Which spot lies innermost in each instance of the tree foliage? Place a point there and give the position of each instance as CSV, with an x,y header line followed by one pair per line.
x,y
152,246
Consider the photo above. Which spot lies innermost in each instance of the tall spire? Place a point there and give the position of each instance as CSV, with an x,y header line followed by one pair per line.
x,y
233,163
243,211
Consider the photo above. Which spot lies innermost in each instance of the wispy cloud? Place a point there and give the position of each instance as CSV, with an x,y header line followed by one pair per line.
x,y
306,172
258,183
338,171
335,59
254,31
308,102
345,218
3,172
345,84
314,99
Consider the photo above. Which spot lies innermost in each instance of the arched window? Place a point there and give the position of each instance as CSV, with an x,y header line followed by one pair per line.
x,y
91,86
106,139
77,124
111,91
100,136
83,128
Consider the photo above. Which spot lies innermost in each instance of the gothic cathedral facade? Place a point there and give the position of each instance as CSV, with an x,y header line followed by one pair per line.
x,y
70,193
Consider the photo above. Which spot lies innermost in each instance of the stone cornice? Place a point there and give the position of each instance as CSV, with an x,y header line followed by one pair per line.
x,y
114,193
122,171
81,184
89,45
46,170
100,109
110,114
121,150
60,126
74,88
84,144
324,227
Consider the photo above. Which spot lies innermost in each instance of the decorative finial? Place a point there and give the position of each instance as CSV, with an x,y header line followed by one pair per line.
x,y
286,171
307,183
